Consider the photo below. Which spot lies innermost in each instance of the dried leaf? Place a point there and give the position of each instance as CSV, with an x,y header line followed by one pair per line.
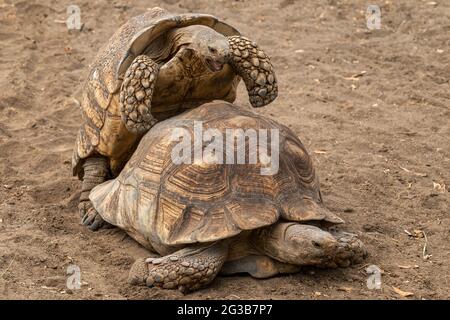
x,y
356,76
402,293
439,187
48,288
419,174
418,233
408,133
408,266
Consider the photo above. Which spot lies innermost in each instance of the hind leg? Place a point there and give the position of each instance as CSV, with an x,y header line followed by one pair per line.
x,y
301,244
95,172
188,269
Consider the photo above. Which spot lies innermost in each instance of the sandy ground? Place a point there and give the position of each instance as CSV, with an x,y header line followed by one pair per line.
x,y
372,107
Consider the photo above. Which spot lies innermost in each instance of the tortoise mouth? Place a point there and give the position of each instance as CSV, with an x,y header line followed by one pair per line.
x,y
214,65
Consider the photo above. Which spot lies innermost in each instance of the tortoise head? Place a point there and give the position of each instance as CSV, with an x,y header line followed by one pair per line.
x,y
211,47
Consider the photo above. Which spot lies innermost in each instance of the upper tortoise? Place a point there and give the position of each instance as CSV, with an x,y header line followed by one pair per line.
x,y
206,217
155,66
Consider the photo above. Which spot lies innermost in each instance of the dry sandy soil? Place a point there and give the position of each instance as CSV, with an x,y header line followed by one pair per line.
x,y
372,107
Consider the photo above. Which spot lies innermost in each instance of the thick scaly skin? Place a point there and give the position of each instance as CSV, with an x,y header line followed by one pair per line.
x,y
350,250
301,244
188,269
254,67
136,95
95,172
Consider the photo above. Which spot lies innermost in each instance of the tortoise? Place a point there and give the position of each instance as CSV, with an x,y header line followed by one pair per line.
x,y
204,217
155,66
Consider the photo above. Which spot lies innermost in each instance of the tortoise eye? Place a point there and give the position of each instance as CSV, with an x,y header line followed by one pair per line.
x,y
212,50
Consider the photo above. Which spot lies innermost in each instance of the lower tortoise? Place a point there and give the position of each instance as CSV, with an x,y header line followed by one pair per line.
x,y
206,217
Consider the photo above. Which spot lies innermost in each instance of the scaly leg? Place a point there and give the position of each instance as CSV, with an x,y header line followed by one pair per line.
x,y
136,95
187,269
95,172
254,67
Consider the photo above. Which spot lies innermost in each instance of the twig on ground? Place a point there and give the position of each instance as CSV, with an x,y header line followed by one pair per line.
x,y
9,266
425,256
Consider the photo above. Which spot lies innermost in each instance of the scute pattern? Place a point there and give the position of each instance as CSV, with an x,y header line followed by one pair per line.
x,y
300,161
198,183
171,213
92,110
191,204
252,213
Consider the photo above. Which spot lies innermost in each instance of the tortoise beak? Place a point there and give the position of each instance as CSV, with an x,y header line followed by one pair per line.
x,y
214,65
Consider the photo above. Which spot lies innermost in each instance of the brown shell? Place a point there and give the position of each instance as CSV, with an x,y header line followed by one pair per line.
x,y
158,201
100,102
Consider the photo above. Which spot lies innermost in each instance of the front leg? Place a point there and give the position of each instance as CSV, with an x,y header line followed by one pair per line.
x,y
136,95
187,270
95,172
254,67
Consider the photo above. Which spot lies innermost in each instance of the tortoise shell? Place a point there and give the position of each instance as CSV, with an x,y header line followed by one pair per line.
x,y
158,201
103,131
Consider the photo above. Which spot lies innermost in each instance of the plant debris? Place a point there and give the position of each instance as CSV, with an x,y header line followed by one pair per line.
x,y
408,266
419,174
402,293
441,188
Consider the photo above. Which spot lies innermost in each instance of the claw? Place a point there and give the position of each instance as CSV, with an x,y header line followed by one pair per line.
x,y
97,224
94,221
84,218
89,217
